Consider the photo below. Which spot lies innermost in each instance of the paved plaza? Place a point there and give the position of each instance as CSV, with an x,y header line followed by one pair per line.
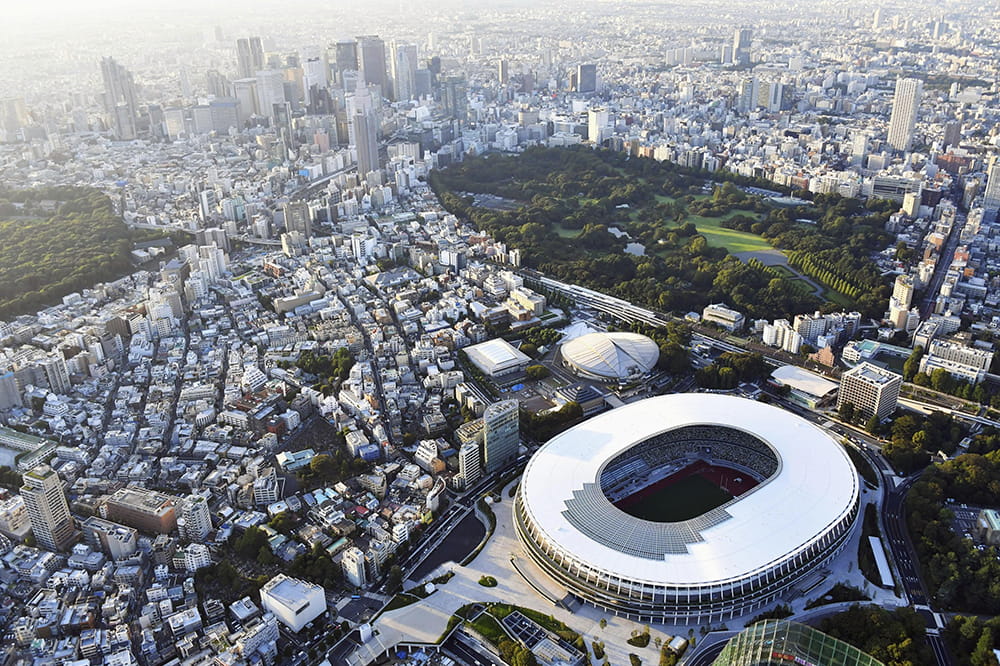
x,y
517,579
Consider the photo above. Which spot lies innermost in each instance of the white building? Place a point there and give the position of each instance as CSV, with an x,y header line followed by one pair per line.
x,y
295,603
353,564
905,103
724,316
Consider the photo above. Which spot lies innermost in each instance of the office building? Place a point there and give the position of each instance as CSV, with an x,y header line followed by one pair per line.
x,y
404,71
905,104
145,510
371,58
724,316
586,78
455,97
195,522
503,71
114,540
872,390
249,56
295,603
991,196
469,439
741,46
48,510
298,218
120,100
501,435
597,125
345,58
353,564
365,129
270,91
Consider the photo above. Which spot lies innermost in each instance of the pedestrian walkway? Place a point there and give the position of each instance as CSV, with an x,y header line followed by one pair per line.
x,y
521,583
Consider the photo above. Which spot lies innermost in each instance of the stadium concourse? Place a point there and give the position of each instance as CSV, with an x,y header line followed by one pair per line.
x,y
731,555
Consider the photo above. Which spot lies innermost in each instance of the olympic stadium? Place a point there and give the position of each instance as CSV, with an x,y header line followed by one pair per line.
x,y
687,507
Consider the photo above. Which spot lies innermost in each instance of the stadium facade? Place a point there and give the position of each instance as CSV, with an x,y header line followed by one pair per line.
x,y
727,562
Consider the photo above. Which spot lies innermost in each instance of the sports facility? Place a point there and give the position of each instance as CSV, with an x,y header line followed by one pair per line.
x,y
688,507
694,490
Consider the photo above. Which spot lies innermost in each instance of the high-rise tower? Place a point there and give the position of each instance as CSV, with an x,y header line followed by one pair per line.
x,y
741,45
371,57
404,71
365,140
47,508
991,197
249,56
501,434
905,103
120,100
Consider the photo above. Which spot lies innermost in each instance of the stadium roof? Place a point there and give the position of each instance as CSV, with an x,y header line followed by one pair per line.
x,y
496,355
612,355
803,380
816,487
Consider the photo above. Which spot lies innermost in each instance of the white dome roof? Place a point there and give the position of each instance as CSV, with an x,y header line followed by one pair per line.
x,y
611,355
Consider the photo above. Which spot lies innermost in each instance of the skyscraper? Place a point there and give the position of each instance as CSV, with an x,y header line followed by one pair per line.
x,y
120,99
905,103
249,56
503,72
455,97
741,46
404,71
47,508
501,435
371,57
586,78
270,91
991,197
597,123
345,58
365,140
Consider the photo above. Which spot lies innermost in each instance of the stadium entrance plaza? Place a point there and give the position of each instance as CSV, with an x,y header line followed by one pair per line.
x,y
427,620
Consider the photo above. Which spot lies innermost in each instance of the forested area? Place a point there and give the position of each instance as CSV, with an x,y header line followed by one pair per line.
x,y
957,574
49,251
896,638
568,198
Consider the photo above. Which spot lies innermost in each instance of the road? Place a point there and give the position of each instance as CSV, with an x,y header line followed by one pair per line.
x,y
942,266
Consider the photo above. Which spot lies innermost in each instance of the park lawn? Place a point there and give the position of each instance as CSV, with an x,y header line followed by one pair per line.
x,y
835,296
734,241
565,233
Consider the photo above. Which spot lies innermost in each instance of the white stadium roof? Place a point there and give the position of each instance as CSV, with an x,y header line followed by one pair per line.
x,y
496,356
815,487
611,355
803,380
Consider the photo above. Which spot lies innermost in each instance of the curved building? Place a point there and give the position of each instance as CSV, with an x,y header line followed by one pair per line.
x,y
610,356
783,643
787,495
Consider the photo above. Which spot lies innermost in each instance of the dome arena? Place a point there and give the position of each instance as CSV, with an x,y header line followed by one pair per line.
x,y
610,356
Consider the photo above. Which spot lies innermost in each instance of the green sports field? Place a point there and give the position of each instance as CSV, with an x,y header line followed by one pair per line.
x,y
683,500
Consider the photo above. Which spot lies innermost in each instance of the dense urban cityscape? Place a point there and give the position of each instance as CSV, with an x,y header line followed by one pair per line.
x,y
458,333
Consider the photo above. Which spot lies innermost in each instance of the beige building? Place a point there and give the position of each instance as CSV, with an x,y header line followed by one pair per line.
x,y
872,390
